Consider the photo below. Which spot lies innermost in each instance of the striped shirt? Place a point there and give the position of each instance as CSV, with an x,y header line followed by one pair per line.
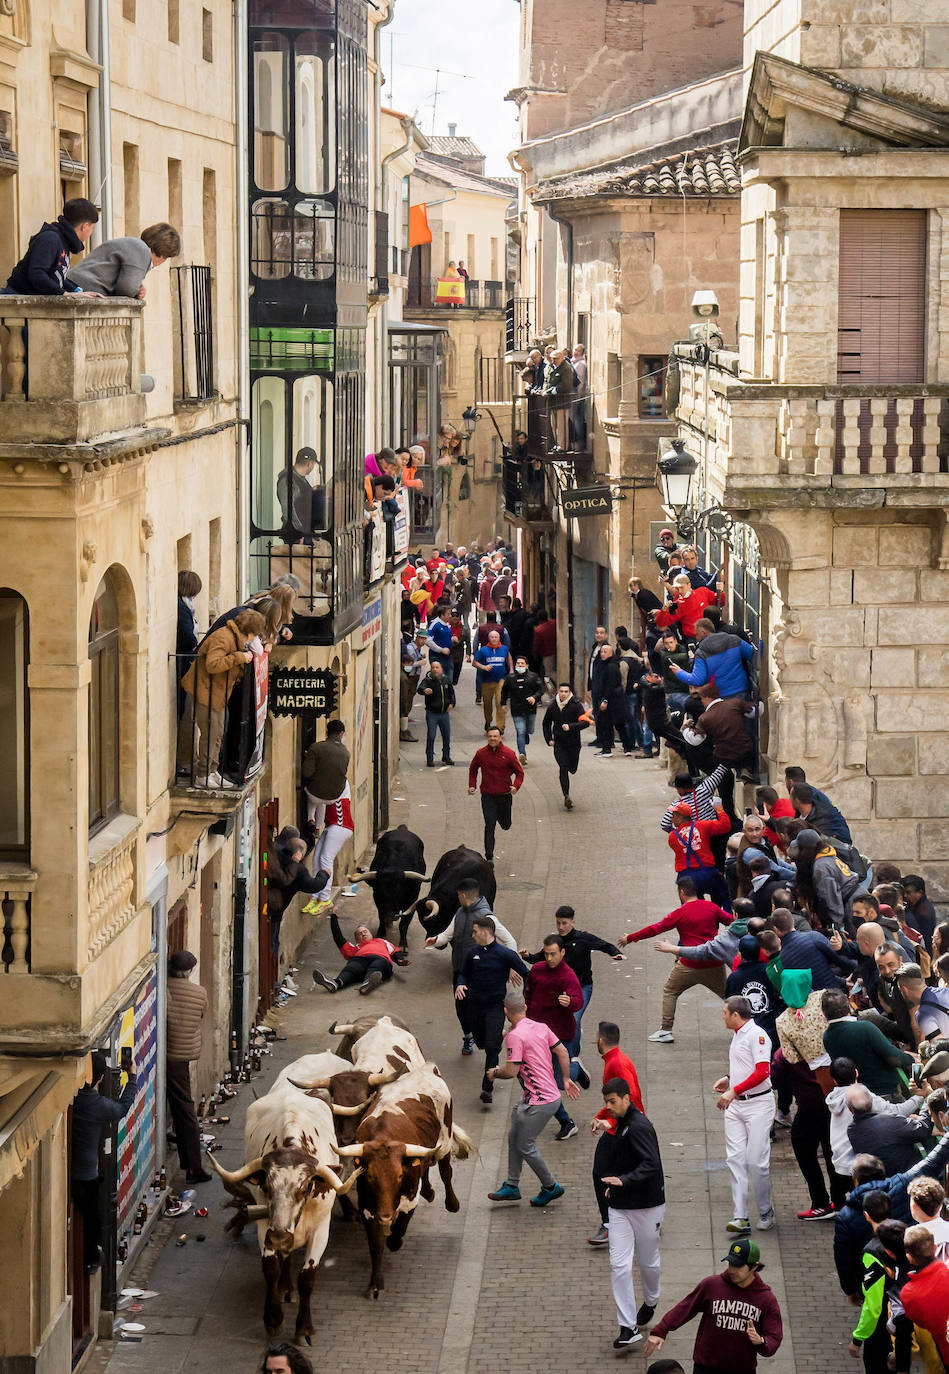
x,y
699,800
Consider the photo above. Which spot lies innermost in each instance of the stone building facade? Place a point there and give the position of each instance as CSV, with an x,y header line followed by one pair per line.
x,y
824,432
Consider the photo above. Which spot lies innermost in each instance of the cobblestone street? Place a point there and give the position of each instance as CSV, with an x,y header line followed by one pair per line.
x,y
508,1288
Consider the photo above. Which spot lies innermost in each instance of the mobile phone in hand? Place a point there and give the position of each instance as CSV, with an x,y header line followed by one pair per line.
x,y
126,1059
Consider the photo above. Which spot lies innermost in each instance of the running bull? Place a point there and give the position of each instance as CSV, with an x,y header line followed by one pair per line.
x,y
395,876
436,910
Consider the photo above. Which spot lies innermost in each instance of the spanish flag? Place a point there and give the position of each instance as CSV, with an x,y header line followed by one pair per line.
x,y
419,231
450,291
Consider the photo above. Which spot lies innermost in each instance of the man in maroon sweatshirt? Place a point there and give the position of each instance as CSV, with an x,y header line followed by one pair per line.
x,y
501,776
553,994
740,1317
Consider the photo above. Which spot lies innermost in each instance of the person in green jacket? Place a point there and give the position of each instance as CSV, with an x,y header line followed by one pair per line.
x,y
877,1059
870,1337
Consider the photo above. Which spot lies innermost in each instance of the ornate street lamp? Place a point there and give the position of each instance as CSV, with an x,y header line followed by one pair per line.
x,y
677,466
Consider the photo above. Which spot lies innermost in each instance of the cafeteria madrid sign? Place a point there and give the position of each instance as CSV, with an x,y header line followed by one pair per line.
x,y
302,692
579,501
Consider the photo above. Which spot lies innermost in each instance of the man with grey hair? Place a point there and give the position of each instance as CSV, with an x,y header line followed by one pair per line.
x,y
529,1046
894,1140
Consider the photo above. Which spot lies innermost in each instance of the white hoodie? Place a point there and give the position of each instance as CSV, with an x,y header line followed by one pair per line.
x,y
841,1116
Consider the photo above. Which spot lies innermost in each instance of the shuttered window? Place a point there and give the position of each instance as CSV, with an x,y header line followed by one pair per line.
x,y
882,296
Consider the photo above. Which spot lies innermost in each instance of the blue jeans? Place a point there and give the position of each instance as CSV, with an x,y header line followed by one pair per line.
x,y
572,1049
437,720
711,881
643,737
523,729
587,991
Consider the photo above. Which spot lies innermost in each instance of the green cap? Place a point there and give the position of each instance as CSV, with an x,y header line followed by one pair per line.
x,y
796,985
743,1251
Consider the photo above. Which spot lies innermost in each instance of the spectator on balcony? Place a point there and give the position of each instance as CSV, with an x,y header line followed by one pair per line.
x,y
276,606
379,463
449,444
295,495
186,648
462,271
578,420
667,545
532,374
381,492
44,267
216,669
411,460
118,267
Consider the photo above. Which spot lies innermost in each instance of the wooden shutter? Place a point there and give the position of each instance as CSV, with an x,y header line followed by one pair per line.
x,y
882,296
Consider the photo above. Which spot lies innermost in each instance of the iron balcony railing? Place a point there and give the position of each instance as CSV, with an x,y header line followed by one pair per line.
x,y
195,360
479,295
520,323
220,722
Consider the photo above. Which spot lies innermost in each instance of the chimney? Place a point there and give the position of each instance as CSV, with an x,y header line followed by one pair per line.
x,y
451,130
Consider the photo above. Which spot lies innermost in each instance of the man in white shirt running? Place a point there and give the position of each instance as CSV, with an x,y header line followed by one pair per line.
x,y
747,1100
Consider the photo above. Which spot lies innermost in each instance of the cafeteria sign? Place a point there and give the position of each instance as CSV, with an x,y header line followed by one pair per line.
x,y
577,502
302,692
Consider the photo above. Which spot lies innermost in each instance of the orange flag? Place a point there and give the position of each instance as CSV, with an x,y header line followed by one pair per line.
x,y
419,231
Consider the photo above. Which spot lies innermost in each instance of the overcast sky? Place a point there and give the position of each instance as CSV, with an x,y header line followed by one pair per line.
x,y
477,40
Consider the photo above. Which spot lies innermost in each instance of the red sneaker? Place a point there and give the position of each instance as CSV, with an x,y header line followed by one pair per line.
x,y
817,1214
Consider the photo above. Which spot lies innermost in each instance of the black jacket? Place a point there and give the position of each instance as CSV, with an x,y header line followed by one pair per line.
x,y
286,877
578,946
42,269
515,690
611,691
566,742
442,693
91,1112
631,1154
895,1140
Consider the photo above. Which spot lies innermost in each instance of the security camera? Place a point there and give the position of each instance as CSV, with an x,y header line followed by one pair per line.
x,y
705,305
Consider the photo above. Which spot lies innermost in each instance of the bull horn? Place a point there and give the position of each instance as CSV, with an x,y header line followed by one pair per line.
x,y
255,1213
230,1179
362,877
350,1111
418,1151
349,1151
324,1172
376,1080
309,1087
341,1028
433,909
415,877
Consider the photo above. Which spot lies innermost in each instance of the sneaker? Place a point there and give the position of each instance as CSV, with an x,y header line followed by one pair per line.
x,y
429,763
602,1236
628,1335
628,754
568,1129
568,803
406,737
522,758
738,1226
817,1214
321,981
371,982
467,1045
645,1315
783,1119
767,1222
508,1192
546,1195
583,1078
603,754
449,763
487,1096
317,906
661,1037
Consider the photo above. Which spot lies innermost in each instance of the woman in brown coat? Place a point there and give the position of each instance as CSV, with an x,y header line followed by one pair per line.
x,y
222,655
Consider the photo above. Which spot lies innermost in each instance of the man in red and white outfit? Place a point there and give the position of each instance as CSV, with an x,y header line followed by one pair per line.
x,y
339,827
747,1099
368,960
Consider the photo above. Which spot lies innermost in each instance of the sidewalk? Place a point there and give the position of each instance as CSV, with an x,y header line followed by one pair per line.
x,y
507,1288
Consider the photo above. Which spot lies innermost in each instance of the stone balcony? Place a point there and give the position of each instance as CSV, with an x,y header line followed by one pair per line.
x,y
71,382
782,445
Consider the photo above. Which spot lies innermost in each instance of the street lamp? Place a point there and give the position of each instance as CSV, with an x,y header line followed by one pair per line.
x,y
469,418
677,466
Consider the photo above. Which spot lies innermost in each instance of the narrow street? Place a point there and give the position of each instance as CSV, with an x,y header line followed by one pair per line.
x,y
505,1288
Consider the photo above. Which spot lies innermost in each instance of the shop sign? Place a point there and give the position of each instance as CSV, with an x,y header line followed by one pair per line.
x,y
577,502
400,528
371,621
302,692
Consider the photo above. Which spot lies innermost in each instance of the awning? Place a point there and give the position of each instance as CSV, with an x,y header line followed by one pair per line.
x,y
31,1117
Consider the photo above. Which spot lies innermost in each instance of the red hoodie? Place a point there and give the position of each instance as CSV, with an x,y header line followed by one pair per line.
x,y
542,990
616,1064
722,1338
690,842
695,922
925,1299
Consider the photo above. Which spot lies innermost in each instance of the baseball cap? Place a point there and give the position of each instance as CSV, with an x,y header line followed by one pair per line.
x,y
743,1251
748,948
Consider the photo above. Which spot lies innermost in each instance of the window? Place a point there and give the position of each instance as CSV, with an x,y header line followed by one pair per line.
x,y
214,565
299,241
130,182
128,10
470,260
174,192
315,93
882,296
271,106
311,427
14,727
404,225
104,706
207,36
652,380
172,21
614,384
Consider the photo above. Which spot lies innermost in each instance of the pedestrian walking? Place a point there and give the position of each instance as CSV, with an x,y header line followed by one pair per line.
x,y
186,1004
616,1064
484,974
459,933
746,1098
553,996
437,692
564,719
369,959
628,1167
501,776
579,946
521,691
739,1316
530,1048
93,1109
493,662
610,708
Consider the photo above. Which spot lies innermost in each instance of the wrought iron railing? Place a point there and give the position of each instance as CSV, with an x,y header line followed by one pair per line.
x,y
195,371
520,323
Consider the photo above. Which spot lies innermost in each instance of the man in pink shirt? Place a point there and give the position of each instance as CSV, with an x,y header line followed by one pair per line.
x,y
529,1047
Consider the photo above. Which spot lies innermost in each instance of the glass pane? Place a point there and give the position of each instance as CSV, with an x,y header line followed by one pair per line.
x,y
268,452
651,379
271,112
271,557
270,250
109,727
14,725
314,239
315,137
105,612
313,449
95,751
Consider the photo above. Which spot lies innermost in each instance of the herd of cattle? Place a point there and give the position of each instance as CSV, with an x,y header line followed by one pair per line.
x,y
374,1115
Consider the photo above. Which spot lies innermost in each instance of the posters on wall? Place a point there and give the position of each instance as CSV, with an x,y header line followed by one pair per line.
x,y
135,1137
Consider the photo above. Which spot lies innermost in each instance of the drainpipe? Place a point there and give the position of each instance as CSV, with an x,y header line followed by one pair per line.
x,y
99,114
568,525
242,270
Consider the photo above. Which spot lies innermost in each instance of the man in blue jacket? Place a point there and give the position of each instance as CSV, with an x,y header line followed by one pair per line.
x,y
851,1229
720,656
819,811
493,662
91,1111
483,985
43,268
812,950
439,639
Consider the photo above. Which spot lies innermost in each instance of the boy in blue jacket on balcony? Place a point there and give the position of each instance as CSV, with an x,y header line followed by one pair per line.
x,y
43,269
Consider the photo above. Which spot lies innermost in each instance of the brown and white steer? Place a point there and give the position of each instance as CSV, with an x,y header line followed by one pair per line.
x,y
383,1048
407,1129
289,1183
347,1090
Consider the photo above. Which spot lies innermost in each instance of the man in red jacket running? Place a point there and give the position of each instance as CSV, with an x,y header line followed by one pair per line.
x,y
616,1064
501,776
694,918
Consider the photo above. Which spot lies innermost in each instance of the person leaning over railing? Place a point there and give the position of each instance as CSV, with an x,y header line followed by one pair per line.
x,y
209,680
118,267
43,269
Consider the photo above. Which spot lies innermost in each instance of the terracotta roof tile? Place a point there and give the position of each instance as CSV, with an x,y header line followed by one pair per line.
x,y
706,171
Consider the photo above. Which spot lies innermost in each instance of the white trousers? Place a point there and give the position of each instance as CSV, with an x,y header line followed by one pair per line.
x,y
748,1151
327,847
316,807
634,1234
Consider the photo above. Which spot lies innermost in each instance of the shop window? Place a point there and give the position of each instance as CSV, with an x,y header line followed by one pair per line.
x,y
104,706
14,727
271,112
652,377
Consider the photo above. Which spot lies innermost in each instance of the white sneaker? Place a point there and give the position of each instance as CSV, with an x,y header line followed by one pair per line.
x,y
767,1222
661,1037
